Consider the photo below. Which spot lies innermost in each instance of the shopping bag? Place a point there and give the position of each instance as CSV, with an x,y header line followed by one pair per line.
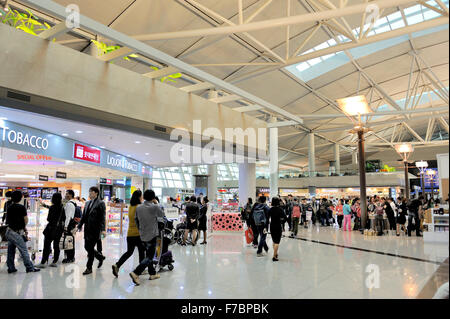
x,y
249,235
66,242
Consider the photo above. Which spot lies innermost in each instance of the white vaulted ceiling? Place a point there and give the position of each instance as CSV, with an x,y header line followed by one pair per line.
x,y
387,70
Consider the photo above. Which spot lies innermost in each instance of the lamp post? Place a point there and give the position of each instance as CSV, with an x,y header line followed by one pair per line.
x,y
405,150
422,165
431,174
356,106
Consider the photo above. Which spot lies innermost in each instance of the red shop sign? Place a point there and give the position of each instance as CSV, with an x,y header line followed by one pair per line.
x,y
86,153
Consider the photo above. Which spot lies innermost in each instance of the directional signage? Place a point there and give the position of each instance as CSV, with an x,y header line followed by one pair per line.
x,y
43,178
61,175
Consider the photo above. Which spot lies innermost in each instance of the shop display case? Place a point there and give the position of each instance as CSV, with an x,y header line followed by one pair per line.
x,y
438,228
114,219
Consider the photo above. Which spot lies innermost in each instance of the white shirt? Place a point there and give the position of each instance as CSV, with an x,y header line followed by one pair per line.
x,y
69,210
394,208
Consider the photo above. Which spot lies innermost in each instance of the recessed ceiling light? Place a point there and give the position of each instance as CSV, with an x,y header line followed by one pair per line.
x,y
147,154
79,132
65,134
128,155
138,142
3,118
102,147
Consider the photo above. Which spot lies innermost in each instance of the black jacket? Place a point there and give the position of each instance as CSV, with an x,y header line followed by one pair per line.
x,y
93,220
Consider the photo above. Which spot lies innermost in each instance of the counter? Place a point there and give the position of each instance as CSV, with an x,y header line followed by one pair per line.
x,y
227,221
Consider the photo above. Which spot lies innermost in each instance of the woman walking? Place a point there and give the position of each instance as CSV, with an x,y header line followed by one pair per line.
x,y
202,219
53,231
276,215
133,238
402,212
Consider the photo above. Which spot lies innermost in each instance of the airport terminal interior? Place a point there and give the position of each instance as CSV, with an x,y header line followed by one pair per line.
x,y
295,149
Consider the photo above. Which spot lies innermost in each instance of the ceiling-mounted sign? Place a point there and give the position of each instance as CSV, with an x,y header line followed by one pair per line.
x,y
105,181
86,153
46,147
43,178
61,175
122,162
24,138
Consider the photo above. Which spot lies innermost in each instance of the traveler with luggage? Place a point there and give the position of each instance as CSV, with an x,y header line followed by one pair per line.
x,y
73,216
53,231
133,237
296,214
276,215
260,213
93,220
147,217
16,234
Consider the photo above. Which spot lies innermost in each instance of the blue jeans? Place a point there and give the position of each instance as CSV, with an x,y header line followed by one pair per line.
x,y
16,240
150,248
262,239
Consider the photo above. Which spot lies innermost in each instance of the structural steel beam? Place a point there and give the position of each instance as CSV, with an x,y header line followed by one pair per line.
x,y
197,87
55,31
269,24
248,108
120,53
144,49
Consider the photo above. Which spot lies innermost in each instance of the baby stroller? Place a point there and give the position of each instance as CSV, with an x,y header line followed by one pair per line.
x,y
164,256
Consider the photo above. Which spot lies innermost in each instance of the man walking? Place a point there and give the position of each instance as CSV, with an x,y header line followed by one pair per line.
x,y
72,219
147,217
296,214
260,213
94,226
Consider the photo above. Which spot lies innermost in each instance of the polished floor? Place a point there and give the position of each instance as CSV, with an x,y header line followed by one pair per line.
x,y
320,263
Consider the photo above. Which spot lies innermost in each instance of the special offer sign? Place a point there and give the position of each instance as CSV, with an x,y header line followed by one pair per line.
x,y
86,153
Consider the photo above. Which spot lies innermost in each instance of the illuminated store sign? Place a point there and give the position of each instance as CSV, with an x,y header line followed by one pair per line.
x,y
121,162
25,139
86,153
37,142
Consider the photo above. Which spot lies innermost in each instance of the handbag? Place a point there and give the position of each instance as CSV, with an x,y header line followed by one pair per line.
x,y
249,235
66,241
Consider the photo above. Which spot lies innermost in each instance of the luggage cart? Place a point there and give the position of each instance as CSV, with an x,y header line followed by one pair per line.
x,y
163,256
33,234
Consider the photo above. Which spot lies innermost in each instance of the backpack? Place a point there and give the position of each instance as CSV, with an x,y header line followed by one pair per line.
x,y
322,208
259,216
78,213
296,211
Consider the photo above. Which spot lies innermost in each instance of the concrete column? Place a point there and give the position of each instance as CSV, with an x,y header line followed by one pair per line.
x,y
194,172
337,160
312,191
212,183
311,155
273,159
247,182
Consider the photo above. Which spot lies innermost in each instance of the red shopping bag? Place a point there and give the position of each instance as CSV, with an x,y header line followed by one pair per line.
x,y
249,235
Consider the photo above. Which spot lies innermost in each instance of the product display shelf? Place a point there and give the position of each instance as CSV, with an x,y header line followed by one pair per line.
x,y
438,229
